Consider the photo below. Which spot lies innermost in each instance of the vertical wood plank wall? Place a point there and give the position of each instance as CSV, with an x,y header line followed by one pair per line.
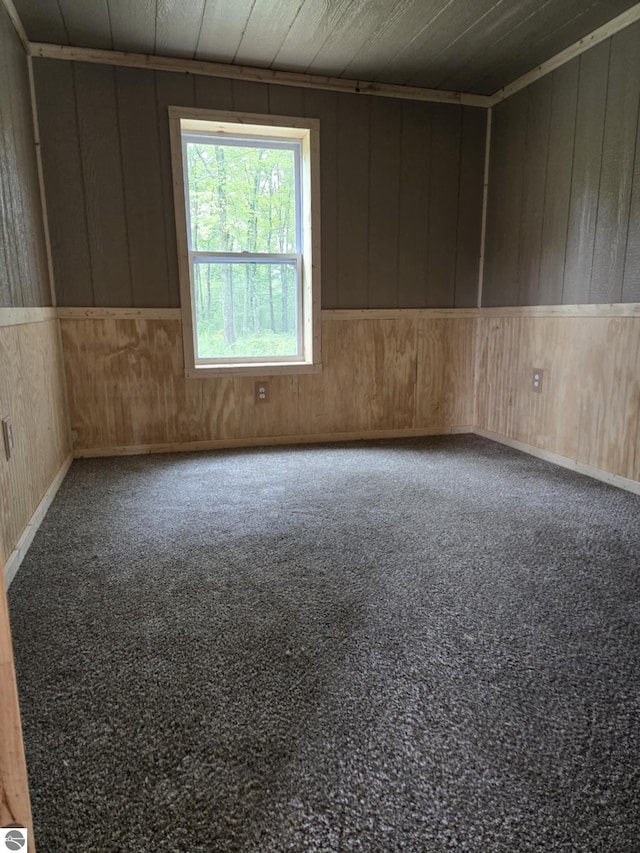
x,y
127,389
589,410
32,394
411,373
24,279
401,194
14,791
563,223
563,228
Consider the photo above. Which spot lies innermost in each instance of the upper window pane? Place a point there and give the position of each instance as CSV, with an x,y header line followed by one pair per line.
x,y
242,197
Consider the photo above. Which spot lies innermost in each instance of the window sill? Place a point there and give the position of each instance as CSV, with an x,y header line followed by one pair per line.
x,y
273,369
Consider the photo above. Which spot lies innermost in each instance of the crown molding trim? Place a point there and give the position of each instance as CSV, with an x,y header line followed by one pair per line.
x,y
12,12
615,25
253,75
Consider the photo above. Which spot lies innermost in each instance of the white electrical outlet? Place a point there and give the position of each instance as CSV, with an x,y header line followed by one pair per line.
x,y
262,392
7,432
536,384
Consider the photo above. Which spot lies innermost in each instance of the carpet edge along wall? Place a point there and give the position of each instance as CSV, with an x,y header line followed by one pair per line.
x,y
127,388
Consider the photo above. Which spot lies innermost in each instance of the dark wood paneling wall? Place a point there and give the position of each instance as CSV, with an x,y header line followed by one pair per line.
x,y
169,89
101,164
474,124
384,173
587,161
504,211
68,230
24,277
353,211
401,187
555,213
563,222
619,149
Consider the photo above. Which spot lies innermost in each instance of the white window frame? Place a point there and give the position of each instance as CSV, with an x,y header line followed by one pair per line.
x,y
251,126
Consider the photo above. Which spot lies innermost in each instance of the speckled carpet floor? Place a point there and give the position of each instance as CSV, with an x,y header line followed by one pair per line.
x,y
426,645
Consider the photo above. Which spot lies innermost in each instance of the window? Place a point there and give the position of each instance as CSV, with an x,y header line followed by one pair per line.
x,y
246,192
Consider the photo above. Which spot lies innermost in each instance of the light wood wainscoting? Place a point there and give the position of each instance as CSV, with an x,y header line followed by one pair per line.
x,y
589,410
15,806
385,373
403,373
32,395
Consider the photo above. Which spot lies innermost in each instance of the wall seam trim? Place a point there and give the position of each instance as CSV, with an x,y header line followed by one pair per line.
x,y
600,34
14,17
485,205
204,68
41,187
15,316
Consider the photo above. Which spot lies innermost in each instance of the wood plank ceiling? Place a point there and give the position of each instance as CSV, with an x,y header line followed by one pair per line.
x,y
465,45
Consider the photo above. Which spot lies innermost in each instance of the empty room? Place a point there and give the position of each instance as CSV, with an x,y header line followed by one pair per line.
x,y
320,404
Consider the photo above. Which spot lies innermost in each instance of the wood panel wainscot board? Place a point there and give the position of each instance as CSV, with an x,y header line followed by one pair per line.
x,y
385,373
589,410
14,790
400,374
32,395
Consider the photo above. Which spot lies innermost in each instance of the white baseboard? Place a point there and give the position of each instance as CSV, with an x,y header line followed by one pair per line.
x,y
563,461
267,441
17,555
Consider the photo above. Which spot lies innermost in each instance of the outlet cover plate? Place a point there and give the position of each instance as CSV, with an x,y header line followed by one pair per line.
x,y
537,380
262,392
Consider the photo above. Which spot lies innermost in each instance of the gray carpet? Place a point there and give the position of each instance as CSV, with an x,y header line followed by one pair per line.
x,y
415,645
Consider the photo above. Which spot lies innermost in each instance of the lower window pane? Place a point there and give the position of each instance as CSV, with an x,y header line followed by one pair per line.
x,y
246,310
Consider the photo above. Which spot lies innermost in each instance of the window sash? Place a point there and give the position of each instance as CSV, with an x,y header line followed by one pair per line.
x,y
245,257
239,141
260,258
